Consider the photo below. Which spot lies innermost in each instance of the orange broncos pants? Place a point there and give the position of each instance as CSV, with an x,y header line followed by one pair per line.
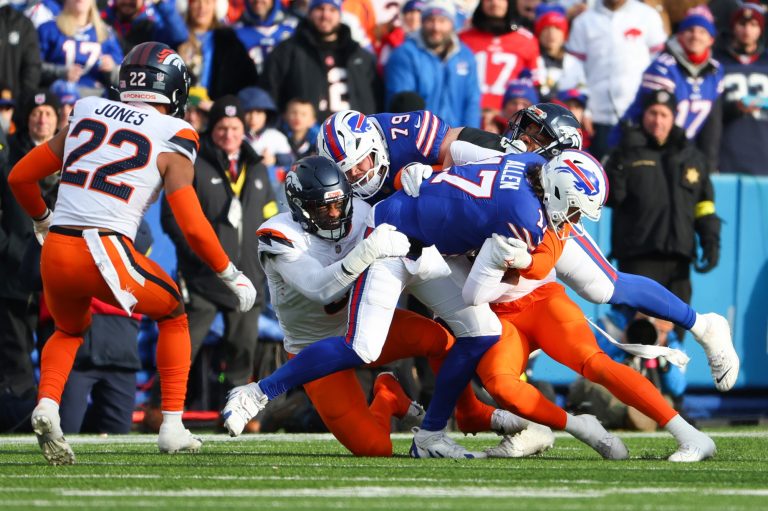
x,y
71,279
549,320
364,430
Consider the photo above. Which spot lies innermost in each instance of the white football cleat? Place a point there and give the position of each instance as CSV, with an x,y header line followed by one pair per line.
x,y
437,444
243,404
534,439
175,439
698,448
608,445
718,345
505,422
47,426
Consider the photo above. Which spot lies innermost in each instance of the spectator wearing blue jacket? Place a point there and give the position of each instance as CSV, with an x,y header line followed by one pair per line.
x,y
140,21
435,64
262,26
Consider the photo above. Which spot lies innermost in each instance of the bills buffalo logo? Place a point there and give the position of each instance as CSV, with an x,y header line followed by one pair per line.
x,y
633,33
358,123
585,182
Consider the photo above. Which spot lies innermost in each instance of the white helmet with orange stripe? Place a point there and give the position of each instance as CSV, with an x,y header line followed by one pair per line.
x,y
351,140
575,185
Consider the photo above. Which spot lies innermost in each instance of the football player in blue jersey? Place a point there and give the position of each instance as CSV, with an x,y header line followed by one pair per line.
x,y
382,152
459,209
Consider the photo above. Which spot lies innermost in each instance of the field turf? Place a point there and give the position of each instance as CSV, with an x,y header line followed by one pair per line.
x,y
314,472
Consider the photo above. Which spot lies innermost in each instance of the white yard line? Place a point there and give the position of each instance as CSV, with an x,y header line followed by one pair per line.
x,y
307,437
379,492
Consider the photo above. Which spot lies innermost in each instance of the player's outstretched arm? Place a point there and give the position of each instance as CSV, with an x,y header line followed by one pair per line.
x,y
178,173
327,284
40,162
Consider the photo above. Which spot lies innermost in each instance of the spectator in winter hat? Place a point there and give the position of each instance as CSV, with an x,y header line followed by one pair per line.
x,y
68,95
436,65
260,119
745,101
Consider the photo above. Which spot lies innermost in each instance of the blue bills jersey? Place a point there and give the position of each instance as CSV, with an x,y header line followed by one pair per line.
x,y
260,40
458,209
410,137
695,96
83,48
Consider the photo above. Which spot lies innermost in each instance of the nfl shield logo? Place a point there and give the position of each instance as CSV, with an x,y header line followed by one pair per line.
x,y
230,110
39,99
160,77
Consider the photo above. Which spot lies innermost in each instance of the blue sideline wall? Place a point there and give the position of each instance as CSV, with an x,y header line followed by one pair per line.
x,y
737,288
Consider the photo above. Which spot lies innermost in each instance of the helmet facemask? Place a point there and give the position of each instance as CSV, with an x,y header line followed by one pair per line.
x,y
551,140
348,138
371,182
317,216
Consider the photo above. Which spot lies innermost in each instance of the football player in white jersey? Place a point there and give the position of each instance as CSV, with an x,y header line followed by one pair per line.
x,y
311,256
114,158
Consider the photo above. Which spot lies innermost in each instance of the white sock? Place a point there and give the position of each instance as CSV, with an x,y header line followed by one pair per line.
x,y
699,326
498,416
49,402
576,426
172,419
681,429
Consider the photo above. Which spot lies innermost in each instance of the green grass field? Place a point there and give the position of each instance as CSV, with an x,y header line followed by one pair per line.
x,y
314,472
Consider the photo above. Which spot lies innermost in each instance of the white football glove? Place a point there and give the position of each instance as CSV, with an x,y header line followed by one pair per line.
x,y
413,175
41,225
510,253
240,285
384,241
513,146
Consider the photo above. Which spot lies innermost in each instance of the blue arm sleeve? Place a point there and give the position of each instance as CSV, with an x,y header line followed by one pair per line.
x,y
169,26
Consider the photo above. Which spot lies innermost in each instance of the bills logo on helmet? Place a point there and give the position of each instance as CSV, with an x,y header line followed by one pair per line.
x,y
172,58
585,182
358,123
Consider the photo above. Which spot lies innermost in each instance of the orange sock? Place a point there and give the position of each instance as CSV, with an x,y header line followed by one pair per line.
x,y
56,363
174,350
389,399
525,400
631,387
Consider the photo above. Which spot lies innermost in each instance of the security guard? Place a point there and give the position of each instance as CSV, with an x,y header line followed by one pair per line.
x,y
661,197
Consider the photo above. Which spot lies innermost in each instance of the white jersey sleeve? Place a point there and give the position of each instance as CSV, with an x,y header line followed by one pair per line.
x,y
486,283
308,286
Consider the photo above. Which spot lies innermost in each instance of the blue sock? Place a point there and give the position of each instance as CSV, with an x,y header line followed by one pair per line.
x,y
315,361
651,298
453,377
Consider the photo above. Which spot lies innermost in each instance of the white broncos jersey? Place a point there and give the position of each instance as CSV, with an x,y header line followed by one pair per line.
x,y
307,286
110,176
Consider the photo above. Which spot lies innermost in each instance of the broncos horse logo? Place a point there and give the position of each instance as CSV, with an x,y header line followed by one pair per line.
x,y
170,57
